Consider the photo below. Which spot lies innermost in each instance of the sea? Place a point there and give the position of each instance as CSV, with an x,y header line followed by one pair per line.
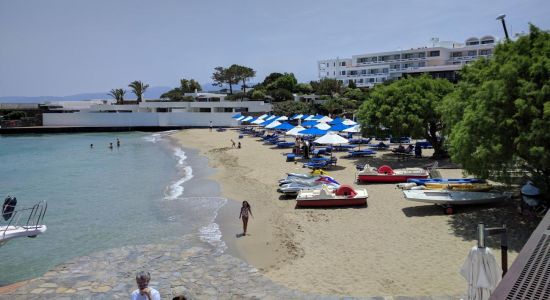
x,y
148,190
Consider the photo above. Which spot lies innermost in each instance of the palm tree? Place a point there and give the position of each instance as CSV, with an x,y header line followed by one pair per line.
x,y
138,88
118,94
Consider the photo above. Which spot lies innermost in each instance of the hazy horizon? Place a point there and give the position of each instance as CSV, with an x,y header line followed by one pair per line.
x,y
63,47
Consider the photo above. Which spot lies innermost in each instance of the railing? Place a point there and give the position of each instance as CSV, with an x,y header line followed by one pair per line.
x,y
35,217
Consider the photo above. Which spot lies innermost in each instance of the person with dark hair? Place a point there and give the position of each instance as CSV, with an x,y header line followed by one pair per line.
x,y
144,292
245,211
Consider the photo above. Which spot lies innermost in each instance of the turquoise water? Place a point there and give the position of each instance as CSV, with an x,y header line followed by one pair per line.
x,y
97,198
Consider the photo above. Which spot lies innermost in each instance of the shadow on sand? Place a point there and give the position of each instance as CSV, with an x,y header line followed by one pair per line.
x,y
466,218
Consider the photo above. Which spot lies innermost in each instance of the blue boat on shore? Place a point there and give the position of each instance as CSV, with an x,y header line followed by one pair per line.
x,y
422,181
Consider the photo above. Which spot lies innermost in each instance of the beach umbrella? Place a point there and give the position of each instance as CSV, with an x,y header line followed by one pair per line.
x,y
331,138
262,116
257,121
247,119
271,118
313,131
304,117
338,127
482,272
282,118
240,118
272,125
353,129
336,121
349,122
309,123
236,116
283,126
323,126
295,131
309,118
324,119
299,116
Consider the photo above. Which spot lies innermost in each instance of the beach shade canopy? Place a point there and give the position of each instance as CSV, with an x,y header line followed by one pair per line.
x,y
482,273
273,124
271,118
282,118
338,127
336,121
303,117
331,138
299,116
263,116
353,129
313,131
309,123
258,121
240,118
349,122
283,126
324,119
236,116
323,126
247,119
295,131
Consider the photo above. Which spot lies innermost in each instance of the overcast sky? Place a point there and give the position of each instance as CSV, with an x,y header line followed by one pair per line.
x,y
64,47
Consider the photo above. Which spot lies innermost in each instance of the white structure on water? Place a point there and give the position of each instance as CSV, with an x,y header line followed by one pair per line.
x,y
206,107
442,60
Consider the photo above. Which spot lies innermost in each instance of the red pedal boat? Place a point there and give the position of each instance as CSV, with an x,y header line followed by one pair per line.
x,y
389,175
345,195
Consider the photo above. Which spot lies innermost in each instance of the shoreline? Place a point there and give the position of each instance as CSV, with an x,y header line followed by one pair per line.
x,y
369,251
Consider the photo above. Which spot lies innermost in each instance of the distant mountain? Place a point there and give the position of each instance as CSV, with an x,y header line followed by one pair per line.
x,y
151,93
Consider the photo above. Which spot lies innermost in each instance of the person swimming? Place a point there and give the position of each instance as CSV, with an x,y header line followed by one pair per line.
x,y
110,145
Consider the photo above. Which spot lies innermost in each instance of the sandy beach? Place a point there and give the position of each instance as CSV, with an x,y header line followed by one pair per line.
x,y
391,247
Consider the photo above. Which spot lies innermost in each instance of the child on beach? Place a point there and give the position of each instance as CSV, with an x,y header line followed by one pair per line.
x,y
239,145
232,143
144,292
245,210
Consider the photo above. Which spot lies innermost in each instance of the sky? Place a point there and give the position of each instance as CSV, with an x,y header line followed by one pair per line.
x,y
65,47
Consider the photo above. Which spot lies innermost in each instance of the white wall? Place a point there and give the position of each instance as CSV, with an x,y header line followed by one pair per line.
x,y
138,119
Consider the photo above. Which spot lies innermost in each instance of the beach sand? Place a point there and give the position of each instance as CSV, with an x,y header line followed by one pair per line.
x,y
391,247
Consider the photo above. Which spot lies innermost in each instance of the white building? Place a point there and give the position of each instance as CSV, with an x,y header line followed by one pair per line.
x,y
442,60
206,107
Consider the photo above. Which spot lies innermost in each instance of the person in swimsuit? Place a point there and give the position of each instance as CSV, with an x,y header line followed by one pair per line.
x,y
245,211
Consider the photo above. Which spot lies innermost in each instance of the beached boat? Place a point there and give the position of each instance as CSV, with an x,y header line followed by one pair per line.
x,y
472,187
316,179
294,188
32,217
448,199
389,175
345,195
422,181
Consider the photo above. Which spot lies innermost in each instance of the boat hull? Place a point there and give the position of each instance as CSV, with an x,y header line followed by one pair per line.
x,y
453,197
446,180
331,202
388,178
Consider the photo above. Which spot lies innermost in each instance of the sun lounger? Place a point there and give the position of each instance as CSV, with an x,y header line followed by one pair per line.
x,y
361,153
285,144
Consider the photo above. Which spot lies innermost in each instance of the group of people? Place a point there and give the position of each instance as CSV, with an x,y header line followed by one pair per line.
x,y
110,144
303,146
238,145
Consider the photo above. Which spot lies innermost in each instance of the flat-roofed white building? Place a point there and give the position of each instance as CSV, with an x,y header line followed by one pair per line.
x,y
441,60
204,107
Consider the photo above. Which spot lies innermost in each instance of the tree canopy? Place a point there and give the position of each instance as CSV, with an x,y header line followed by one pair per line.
x,y
232,75
287,108
326,86
138,88
408,107
499,115
118,95
186,86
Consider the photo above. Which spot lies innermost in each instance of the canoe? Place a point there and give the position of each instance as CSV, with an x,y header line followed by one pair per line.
x,y
472,187
446,180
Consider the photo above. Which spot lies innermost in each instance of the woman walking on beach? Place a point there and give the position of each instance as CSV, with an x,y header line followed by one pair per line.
x,y
245,210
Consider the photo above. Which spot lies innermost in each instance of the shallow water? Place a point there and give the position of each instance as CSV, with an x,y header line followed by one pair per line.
x,y
100,198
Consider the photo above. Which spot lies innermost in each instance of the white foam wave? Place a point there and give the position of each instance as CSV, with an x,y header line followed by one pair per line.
x,y
157,136
176,189
212,235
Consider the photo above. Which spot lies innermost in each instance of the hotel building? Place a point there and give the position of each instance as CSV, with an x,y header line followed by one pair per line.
x,y
442,60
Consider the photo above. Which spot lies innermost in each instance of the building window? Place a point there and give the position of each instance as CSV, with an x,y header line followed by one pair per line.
x,y
471,43
421,54
371,80
472,53
361,80
456,54
395,67
204,109
485,52
397,56
342,72
353,72
434,53
407,55
421,64
343,64
487,42
385,70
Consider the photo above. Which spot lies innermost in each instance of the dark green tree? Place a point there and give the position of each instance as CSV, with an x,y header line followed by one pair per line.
x,y
242,73
499,116
352,85
303,88
288,108
286,82
327,86
189,86
138,88
408,107
271,78
279,95
225,76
